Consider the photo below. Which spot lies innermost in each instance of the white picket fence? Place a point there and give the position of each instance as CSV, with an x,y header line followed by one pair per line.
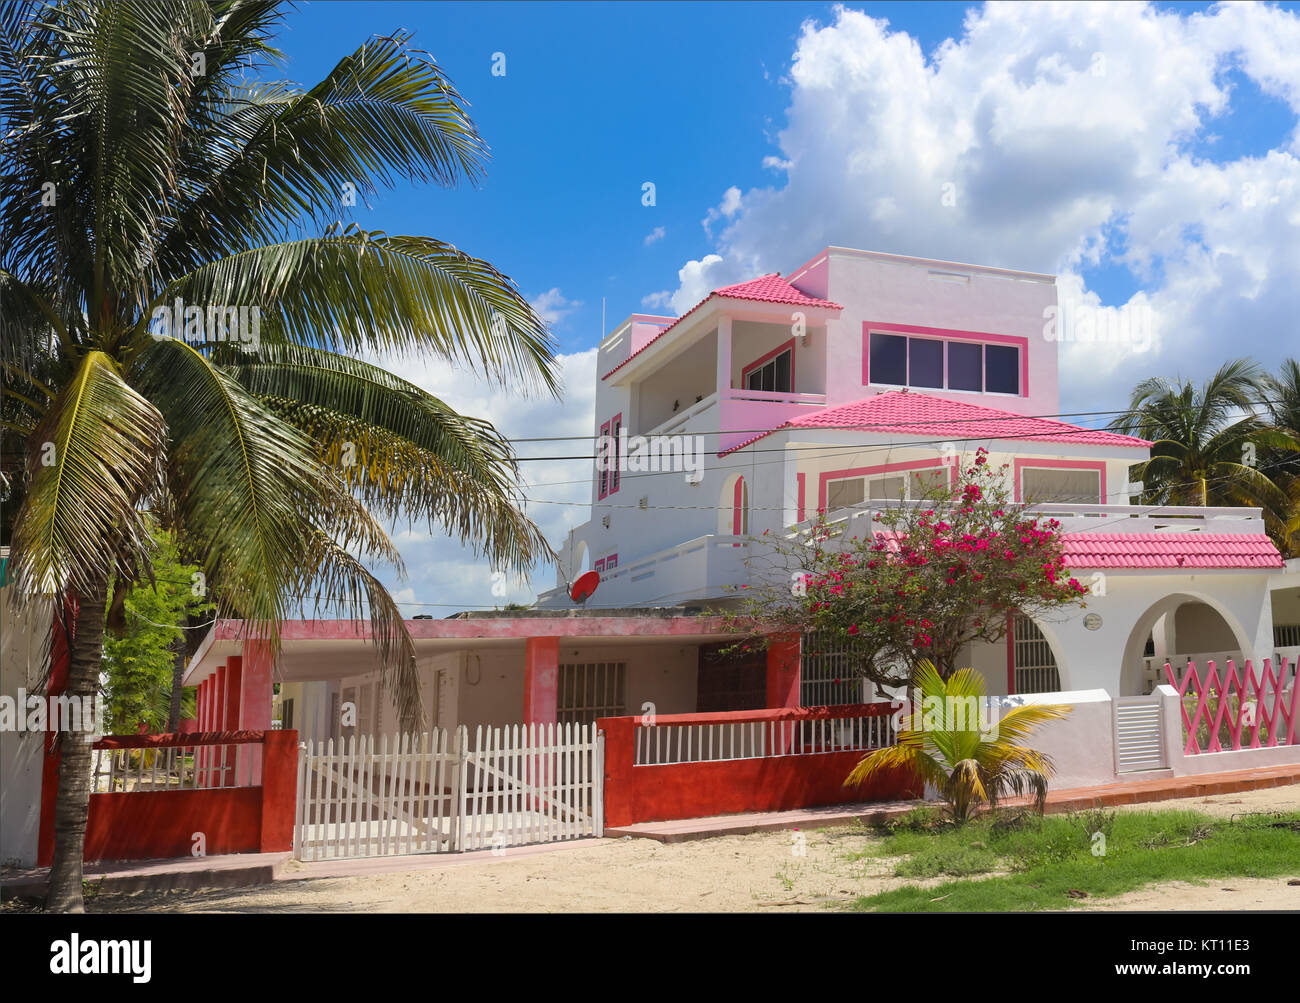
x,y
435,792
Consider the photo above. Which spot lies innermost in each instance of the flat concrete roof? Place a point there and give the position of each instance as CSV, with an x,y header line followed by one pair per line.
x,y
333,649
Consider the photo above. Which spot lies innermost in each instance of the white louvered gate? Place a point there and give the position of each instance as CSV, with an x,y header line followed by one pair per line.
x,y
1139,735
438,793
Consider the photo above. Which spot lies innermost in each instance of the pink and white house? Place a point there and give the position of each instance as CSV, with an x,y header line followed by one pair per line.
x,y
861,375
832,387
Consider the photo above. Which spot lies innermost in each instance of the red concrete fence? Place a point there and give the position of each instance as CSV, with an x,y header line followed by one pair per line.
x,y
691,765
183,793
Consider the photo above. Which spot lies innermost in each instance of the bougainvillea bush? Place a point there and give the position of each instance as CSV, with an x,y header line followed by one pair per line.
x,y
931,577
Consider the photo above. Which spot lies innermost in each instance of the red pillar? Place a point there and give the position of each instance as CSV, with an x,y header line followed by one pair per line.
x,y
279,790
541,683
783,674
257,669
783,671
541,679
205,724
237,759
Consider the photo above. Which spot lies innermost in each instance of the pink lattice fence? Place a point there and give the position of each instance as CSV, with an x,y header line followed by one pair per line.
x,y
1238,710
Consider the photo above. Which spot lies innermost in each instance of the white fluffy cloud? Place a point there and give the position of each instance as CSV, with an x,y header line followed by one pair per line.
x,y
441,570
1052,138
553,307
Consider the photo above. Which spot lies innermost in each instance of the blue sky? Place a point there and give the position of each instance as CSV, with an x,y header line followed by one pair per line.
x,y
1147,154
598,98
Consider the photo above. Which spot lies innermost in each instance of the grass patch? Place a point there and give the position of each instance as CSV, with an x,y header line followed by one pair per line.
x,y
1053,858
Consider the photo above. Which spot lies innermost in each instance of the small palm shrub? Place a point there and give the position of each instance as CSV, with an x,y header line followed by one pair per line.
x,y
969,763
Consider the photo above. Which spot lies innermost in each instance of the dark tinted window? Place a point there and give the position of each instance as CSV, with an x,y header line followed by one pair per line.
x,y
1001,369
888,362
965,366
926,363
782,383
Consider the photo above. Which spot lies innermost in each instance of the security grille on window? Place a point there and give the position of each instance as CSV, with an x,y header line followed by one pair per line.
x,y
830,674
1035,665
586,691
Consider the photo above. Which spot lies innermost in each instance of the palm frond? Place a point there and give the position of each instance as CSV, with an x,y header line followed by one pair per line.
x,y
96,455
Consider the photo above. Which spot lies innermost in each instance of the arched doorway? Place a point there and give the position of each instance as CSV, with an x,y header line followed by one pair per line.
x,y
1176,629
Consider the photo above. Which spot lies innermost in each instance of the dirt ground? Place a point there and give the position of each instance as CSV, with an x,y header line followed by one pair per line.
x,y
762,872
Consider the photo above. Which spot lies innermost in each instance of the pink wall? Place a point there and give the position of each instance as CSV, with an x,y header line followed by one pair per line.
x,y
905,292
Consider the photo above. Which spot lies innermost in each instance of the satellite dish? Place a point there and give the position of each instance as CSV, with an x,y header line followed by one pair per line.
x,y
584,586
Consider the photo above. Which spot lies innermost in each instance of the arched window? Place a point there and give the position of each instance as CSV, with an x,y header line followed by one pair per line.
x,y
733,507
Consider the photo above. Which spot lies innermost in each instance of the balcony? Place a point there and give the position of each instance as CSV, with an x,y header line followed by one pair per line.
x,y
738,415
697,569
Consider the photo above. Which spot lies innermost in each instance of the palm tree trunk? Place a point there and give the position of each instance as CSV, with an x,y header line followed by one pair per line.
x,y
72,805
178,675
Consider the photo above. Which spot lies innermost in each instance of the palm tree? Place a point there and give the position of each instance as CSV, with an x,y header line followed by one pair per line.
x,y
966,763
1208,442
143,163
1282,406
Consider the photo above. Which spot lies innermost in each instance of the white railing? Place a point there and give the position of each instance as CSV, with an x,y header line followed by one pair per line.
x,y
855,520
711,742
177,767
677,422
1286,635
775,397
690,570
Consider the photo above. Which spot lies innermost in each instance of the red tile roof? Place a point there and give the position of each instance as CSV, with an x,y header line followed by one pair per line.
x,y
765,289
910,413
1169,550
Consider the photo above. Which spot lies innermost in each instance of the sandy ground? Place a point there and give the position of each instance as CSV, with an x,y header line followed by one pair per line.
x,y
763,872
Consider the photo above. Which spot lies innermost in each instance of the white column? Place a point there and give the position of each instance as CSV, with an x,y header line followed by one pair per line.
x,y
724,355
790,487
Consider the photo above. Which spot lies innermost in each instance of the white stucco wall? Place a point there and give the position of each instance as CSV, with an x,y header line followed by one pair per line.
x,y
22,635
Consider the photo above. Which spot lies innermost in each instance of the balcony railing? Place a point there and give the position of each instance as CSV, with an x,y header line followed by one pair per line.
x,y
856,520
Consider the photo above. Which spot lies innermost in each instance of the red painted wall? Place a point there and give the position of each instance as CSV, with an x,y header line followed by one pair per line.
x,y
691,790
160,824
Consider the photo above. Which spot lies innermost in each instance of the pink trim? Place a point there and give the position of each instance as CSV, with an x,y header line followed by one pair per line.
x,y
759,363
950,334
616,426
602,476
737,507
801,479
600,566
883,468
1021,462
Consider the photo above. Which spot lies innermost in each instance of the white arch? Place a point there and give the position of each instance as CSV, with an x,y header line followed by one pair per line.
x,y
1130,673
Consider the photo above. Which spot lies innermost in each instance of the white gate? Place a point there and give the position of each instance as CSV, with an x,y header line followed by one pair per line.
x,y
437,793
1139,734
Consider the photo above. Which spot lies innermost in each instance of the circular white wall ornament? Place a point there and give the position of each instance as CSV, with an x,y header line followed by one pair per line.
x,y
1092,621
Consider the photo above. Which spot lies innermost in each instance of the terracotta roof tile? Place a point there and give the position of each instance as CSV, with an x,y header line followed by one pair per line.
x,y
765,289
1169,550
910,413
